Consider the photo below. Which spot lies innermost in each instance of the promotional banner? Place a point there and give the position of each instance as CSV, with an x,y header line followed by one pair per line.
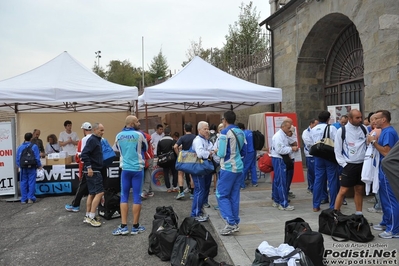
x,y
7,163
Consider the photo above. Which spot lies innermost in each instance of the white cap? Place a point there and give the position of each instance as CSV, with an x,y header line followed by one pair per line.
x,y
86,126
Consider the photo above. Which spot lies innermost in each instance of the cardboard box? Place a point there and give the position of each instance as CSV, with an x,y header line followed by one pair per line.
x,y
174,118
214,119
201,117
59,161
192,118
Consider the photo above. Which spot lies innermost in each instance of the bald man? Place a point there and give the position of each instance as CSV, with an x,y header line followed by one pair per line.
x,y
350,155
132,144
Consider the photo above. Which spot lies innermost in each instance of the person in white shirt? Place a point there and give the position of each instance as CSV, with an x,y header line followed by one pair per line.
x,y
281,146
68,139
350,155
324,169
307,143
157,136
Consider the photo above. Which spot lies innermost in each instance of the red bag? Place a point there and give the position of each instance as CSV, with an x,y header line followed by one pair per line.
x,y
149,154
265,163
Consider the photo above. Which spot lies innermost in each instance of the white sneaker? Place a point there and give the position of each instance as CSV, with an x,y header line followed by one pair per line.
x,y
388,235
379,227
187,190
374,210
228,229
288,208
275,204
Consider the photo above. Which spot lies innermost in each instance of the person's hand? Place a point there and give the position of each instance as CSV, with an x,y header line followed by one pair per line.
x,y
294,148
370,138
89,172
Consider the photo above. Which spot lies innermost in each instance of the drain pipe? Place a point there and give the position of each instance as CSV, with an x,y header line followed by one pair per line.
x,y
272,61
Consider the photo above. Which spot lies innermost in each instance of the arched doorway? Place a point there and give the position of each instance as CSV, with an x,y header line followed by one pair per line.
x,y
344,71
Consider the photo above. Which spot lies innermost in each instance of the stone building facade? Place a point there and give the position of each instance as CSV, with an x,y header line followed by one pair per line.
x,y
330,52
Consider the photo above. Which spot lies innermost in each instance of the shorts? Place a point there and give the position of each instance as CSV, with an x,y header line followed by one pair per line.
x,y
351,175
95,183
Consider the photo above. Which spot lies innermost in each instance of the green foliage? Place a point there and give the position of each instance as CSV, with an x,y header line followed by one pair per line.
x,y
159,66
196,49
99,70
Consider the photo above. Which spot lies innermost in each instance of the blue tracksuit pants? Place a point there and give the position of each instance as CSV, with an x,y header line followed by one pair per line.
x,y
389,204
228,196
201,192
249,166
27,184
279,186
310,173
325,171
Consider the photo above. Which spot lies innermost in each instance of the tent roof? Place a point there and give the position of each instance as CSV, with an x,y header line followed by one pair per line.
x,y
200,85
64,84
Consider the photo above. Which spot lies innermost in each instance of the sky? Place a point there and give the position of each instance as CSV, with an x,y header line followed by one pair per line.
x,y
32,32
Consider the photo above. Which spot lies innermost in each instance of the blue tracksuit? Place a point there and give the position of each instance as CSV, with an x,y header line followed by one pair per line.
x,y
249,159
231,166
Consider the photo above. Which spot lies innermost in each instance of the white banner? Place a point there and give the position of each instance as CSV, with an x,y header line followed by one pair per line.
x,y
7,163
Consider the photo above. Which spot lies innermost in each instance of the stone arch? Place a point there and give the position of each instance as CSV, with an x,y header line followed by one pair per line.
x,y
312,61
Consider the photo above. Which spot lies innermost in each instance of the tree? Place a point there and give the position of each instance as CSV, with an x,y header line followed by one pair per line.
x,y
123,73
245,39
196,49
159,66
99,70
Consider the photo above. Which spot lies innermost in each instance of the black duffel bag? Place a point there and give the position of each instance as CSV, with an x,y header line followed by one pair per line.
x,y
347,227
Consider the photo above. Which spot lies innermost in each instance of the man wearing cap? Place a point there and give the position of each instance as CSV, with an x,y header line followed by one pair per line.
x,y
68,139
82,189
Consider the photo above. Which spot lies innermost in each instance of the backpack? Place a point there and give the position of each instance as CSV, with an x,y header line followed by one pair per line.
x,y
164,212
265,164
109,206
258,140
162,238
299,235
108,153
206,244
27,159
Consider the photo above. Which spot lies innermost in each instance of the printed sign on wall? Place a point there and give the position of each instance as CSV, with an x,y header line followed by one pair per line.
x,y
7,163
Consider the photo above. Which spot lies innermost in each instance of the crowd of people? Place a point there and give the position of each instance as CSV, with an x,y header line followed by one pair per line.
x,y
359,146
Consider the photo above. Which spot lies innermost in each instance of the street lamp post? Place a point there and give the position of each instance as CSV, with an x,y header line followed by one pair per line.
x,y
98,56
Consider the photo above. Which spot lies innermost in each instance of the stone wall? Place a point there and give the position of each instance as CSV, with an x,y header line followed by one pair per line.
x,y
304,33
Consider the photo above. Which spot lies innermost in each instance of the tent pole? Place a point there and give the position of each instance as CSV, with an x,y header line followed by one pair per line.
x,y
281,108
146,118
137,108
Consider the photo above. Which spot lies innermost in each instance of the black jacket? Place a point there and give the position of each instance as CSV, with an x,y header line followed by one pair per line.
x,y
92,154
165,145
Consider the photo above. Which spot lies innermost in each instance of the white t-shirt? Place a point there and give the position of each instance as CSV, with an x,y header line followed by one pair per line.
x,y
155,138
69,148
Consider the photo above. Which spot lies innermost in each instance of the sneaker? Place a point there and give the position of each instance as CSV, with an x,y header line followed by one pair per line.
x,y
138,230
150,194
175,189
201,218
70,208
191,196
388,235
291,195
93,222
309,192
372,200
288,208
86,219
254,185
344,202
169,190
144,195
275,204
180,196
31,201
374,210
120,231
206,205
324,201
379,227
228,229
187,190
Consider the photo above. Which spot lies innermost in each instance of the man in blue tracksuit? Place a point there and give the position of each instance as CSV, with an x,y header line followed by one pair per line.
x,y
307,143
28,174
231,143
325,170
249,157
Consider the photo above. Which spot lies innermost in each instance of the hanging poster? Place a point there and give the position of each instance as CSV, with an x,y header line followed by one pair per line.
x,y
7,163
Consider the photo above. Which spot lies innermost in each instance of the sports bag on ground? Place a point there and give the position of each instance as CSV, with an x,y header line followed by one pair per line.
x,y
258,140
109,206
299,235
206,244
184,251
162,238
163,212
265,164
347,227
264,260
324,148
27,159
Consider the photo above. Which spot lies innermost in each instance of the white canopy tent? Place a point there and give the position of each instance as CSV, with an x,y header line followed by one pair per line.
x,y
200,85
64,85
